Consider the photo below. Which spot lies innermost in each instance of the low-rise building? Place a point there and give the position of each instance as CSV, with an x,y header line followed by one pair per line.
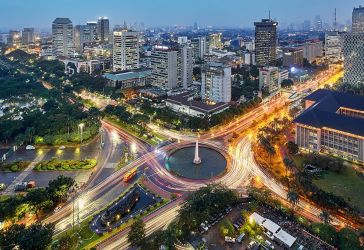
x,y
73,66
332,123
129,78
184,103
269,79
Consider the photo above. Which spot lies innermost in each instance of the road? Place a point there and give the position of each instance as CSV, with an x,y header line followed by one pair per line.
x,y
242,167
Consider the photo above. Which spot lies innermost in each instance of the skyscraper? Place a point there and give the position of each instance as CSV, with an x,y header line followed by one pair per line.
x,y
14,38
28,36
216,82
164,64
333,46
103,31
353,50
265,42
358,20
62,37
82,35
92,27
125,50
201,47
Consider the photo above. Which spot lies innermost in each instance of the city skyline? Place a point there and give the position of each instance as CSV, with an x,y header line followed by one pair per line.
x,y
159,13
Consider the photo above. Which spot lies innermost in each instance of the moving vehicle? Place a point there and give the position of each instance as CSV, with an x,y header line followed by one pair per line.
x,y
30,147
31,184
130,175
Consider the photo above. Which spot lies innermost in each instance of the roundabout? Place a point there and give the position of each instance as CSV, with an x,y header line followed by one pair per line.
x,y
200,162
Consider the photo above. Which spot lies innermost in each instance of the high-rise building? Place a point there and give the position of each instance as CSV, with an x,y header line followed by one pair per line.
x,y
265,42
103,30
201,47
215,41
82,35
14,38
182,40
292,57
62,37
307,25
317,23
333,46
28,36
125,50
216,82
185,66
358,20
92,27
312,50
164,64
269,79
353,50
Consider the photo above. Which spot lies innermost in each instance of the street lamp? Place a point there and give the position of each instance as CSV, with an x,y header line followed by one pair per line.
x,y
81,126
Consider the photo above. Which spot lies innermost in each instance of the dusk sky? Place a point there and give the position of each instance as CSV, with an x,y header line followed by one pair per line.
x,y
238,13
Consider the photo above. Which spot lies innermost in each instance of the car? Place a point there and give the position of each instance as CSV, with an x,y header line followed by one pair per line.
x,y
229,239
268,244
240,238
62,147
30,147
253,245
204,227
2,186
269,235
236,226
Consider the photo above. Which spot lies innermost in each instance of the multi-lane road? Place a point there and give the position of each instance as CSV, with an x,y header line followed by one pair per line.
x,y
242,167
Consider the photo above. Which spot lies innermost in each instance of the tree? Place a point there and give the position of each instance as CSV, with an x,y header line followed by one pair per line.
x,y
38,199
325,217
293,198
136,235
288,163
348,240
36,237
292,148
286,83
9,237
326,232
58,188
67,242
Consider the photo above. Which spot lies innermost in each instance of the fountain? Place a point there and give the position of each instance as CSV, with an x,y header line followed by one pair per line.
x,y
197,159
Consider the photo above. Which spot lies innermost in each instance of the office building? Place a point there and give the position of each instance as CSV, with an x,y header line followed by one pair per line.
x,y
125,50
332,123
182,40
249,58
164,64
216,83
317,23
185,66
292,57
358,20
215,41
92,27
28,36
62,37
312,50
333,46
81,36
14,38
4,38
269,79
103,29
265,42
201,47
353,50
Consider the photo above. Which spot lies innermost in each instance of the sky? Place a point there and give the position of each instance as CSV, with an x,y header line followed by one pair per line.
x,y
17,14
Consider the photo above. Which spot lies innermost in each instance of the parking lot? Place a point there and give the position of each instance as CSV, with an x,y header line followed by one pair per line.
x,y
214,240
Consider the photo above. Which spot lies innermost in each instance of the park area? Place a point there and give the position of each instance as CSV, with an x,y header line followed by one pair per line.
x,y
348,185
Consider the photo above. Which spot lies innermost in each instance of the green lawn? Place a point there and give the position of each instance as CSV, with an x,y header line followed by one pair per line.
x,y
348,185
65,165
298,160
15,166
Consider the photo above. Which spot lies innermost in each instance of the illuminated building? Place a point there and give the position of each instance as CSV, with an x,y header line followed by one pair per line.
x,y
125,50
332,123
216,82
62,37
265,42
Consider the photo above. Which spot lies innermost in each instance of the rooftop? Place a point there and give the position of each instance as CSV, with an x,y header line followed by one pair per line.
x,y
128,74
323,113
62,20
